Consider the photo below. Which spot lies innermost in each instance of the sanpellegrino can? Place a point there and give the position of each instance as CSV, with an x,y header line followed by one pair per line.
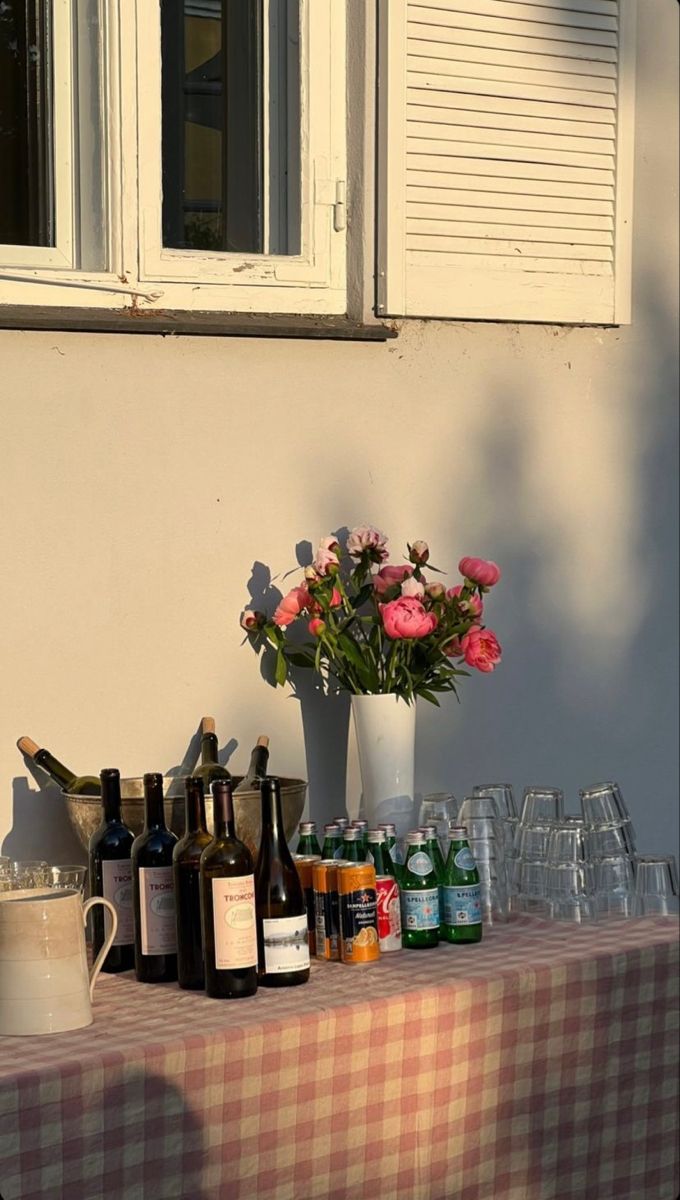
x,y
461,917
327,907
358,913
419,895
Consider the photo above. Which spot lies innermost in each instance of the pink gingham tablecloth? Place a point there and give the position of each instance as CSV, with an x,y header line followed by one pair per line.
x,y
539,1065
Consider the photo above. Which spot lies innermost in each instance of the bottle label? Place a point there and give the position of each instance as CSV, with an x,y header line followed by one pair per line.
x,y
420,909
286,946
234,922
464,860
117,887
157,911
420,864
462,905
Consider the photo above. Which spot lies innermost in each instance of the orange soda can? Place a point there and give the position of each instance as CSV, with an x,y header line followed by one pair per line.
x,y
325,883
358,913
304,864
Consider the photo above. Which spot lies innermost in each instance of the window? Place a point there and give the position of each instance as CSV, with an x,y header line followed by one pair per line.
x,y
173,154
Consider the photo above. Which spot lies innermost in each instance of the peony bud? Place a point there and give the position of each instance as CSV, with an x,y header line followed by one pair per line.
x,y
317,627
419,553
435,591
252,620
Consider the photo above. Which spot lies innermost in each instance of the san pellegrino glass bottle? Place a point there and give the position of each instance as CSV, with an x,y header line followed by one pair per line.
x,y
210,767
419,895
153,891
377,852
257,768
343,822
332,841
283,947
186,860
228,905
362,826
308,843
434,849
111,877
75,785
353,845
396,853
461,917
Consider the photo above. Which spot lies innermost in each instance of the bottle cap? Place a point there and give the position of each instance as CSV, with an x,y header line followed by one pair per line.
x,y
360,824
331,829
307,827
415,837
389,828
460,830
431,830
376,835
352,834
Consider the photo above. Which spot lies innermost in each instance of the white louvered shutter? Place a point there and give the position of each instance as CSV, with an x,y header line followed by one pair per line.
x,y
506,141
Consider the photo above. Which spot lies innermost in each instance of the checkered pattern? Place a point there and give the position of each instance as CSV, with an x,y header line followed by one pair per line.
x,y
538,1065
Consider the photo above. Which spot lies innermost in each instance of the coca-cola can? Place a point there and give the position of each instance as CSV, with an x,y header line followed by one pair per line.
x,y
389,913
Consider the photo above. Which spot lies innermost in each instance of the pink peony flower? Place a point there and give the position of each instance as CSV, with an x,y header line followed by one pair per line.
x,y
481,649
291,606
407,618
367,537
480,571
436,591
334,601
413,587
472,606
252,620
326,557
388,576
419,553
316,627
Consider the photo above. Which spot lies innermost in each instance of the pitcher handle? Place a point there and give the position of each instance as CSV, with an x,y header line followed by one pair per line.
x,y
108,941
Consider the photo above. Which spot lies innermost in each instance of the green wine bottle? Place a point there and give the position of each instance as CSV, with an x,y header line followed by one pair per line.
x,y
209,768
75,785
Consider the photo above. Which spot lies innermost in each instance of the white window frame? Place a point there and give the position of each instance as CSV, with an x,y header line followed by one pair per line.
x,y
143,275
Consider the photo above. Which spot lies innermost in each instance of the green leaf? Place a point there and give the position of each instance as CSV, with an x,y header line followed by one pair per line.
x,y
281,672
274,634
428,696
300,660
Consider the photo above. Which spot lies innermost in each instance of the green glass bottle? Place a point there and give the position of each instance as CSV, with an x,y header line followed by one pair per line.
x,y
461,917
209,768
308,843
378,853
75,785
362,826
332,842
434,850
352,845
419,895
396,853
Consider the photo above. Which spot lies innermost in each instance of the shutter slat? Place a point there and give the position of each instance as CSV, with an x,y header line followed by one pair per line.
x,y
506,87
440,131
445,68
594,51
501,120
451,229
499,26
428,254
480,102
485,185
499,56
502,169
445,244
576,16
537,217
492,151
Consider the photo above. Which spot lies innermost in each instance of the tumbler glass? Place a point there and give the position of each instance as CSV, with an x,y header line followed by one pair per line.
x,y
604,841
502,793
615,887
532,842
68,878
31,873
656,885
478,808
438,808
541,804
567,842
603,804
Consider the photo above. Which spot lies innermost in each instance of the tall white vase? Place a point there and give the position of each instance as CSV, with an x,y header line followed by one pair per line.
x,y
385,727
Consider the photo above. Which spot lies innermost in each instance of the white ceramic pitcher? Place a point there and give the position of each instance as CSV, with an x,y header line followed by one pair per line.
x,y
45,983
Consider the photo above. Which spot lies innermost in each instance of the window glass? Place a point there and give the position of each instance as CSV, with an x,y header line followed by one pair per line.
x,y
26,194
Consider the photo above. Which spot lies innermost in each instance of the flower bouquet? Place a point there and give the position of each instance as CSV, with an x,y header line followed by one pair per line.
x,y
375,627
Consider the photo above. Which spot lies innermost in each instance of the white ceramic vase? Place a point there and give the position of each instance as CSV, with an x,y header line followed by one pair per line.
x,y
385,727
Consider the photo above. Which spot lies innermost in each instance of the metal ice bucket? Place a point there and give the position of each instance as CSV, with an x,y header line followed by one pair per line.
x,y
85,812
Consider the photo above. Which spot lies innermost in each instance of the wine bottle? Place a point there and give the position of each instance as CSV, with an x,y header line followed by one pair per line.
x,y
209,768
228,905
257,769
283,949
153,891
111,877
186,860
77,785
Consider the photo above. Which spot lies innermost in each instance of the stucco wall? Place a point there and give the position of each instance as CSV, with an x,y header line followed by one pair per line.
x,y
141,478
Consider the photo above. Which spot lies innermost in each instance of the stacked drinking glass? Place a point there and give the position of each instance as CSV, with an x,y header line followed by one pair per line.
x,y
568,873
542,807
481,818
610,847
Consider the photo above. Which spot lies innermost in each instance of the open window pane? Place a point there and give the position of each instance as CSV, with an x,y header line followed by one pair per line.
x,y
27,193
230,97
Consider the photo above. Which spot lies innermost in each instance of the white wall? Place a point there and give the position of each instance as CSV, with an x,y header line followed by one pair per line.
x,y
141,478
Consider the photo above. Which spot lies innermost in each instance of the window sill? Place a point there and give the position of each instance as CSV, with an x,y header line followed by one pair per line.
x,y
200,324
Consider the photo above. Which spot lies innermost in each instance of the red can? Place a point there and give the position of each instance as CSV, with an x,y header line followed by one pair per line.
x,y
389,913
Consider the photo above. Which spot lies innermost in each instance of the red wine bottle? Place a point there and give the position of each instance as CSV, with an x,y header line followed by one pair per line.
x,y
210,767
228,905
77,785
111,877
257,768
153,891
186,859
283,948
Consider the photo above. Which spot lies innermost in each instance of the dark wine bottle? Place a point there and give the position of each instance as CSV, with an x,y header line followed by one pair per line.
x,y
228,905
257,768
209,768
153,891
283,948
111,877
77,785
186,860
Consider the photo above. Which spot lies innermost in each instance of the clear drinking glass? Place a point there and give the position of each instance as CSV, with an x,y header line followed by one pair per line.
x,y
478,808
567,843
656,885
610,840
502,793
31,873
69,878
438,808
603,804
533,842
615,887
541,804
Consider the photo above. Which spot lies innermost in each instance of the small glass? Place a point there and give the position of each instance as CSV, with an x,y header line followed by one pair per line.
x,y
533,842
567,843
610,840
615,887
532,881
541,804
603,804
502,793
438,808
31,873
656,885
478,808
484,829
68,878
